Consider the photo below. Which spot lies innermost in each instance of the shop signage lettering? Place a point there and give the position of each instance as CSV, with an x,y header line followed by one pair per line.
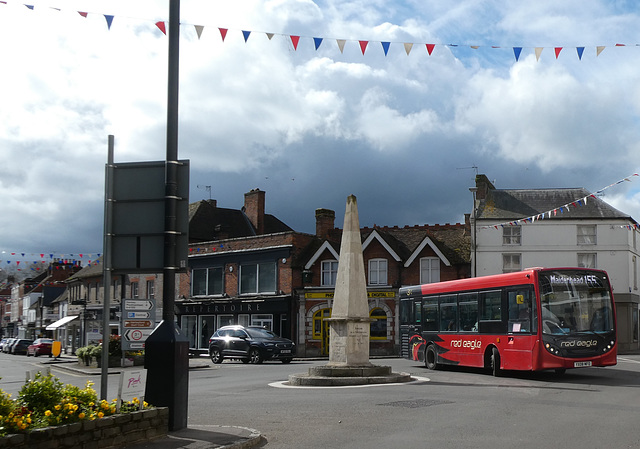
x,y
220,308
329,295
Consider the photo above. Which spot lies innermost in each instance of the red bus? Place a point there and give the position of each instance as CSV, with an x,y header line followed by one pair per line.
x,y
537,319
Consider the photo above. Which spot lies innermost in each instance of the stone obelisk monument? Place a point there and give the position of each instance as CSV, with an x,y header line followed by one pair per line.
x,y
349,324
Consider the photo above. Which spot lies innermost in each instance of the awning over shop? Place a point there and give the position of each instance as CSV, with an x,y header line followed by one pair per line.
x,y
61,322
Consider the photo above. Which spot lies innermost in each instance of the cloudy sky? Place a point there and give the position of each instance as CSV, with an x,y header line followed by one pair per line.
x,y
405,132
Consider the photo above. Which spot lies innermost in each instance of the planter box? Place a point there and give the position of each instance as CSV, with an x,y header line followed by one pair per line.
x,y
109,432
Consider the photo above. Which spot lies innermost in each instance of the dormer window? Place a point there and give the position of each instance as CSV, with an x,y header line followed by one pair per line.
x,y
378,272
329,273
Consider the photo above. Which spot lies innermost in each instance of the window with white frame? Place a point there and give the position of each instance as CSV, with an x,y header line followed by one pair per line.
x,y
511,235
329,273
258,278
265,321
134,290
151,289
207,281
587,235
378,272
429,270
587,260
511,263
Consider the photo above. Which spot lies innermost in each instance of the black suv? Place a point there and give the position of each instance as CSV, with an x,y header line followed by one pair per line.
x,y
249,344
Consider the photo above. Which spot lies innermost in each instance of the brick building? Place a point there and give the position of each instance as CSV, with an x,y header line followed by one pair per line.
x,y
252,269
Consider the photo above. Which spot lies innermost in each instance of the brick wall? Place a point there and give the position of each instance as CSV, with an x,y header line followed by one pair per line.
x,y
109,432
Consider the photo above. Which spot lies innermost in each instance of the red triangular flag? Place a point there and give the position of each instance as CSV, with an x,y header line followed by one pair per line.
x,y
162,27
223,33
558,50
83,14
363,46
430,48
294,41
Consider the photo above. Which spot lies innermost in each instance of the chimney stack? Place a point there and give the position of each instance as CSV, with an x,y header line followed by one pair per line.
x,y
254,209
483,185
325,222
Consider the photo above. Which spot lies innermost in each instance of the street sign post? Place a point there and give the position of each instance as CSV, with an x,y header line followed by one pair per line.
x,y
138,319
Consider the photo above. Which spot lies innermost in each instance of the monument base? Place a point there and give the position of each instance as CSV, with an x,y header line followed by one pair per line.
x,y
327,376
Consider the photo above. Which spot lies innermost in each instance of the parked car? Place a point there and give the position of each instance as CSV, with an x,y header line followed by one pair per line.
x,y
249,344
20,346
3,342
40,346
7,346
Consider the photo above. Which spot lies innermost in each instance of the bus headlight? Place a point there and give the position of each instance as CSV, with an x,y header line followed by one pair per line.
x,y
552,349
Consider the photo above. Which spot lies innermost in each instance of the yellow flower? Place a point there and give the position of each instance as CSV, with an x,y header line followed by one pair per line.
x,y
81,415
58,407
100,415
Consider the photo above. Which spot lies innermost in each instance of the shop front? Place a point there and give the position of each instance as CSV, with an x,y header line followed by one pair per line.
x,y
198,320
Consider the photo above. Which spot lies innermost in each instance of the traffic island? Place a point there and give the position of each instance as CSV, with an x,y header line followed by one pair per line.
x,y
327,376
109,432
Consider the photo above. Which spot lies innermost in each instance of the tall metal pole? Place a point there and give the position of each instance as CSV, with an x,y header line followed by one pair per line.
x,y
106,270
166,349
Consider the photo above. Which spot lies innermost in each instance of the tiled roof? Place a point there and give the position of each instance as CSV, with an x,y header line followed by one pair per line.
x,y
207,222
516,204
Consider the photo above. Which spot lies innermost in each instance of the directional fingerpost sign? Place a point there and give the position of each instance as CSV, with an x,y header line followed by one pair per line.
x,y
138,321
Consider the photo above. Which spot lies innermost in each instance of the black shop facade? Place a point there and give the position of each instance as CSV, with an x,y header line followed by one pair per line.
x,y
199,319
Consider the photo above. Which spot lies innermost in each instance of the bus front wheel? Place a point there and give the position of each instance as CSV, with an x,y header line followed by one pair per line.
x,y
431,358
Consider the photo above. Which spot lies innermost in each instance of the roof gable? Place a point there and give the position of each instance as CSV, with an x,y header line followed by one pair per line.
x,y
427,242
326,246
376,236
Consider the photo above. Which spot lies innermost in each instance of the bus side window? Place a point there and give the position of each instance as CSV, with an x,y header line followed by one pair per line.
x,y
468,307
430,310
520,316
491,306
448,313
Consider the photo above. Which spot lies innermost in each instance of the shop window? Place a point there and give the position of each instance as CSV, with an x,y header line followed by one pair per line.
x,y
378,329
265,321
319,323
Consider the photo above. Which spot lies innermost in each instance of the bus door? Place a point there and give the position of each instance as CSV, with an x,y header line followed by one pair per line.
x,y
522,327
411,327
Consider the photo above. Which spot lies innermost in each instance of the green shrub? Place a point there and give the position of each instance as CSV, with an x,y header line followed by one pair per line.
x,y
42,393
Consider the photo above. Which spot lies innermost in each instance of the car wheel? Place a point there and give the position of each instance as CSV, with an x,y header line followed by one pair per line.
x,y
216,355
28,355
286,360
255,356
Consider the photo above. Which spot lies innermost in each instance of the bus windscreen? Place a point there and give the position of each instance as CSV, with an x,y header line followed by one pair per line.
x,y
575,302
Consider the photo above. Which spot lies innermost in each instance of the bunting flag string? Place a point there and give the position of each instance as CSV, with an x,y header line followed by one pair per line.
x,y
363,43
561,209
38,261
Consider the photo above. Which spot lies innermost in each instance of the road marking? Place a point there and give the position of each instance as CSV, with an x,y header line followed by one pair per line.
x,y
285,384
624,359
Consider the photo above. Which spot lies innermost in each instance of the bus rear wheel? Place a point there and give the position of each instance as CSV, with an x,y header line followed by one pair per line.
x,y
431,358
495,362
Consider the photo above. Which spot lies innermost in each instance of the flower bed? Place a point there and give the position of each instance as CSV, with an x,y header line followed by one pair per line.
x,y
48,414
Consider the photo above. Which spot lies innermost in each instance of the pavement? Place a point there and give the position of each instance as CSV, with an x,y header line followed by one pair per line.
x,y
192,437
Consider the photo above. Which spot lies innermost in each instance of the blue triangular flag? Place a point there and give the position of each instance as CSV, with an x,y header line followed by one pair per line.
x,y
317,41
516,52
385,47
109,20
246,35
580,51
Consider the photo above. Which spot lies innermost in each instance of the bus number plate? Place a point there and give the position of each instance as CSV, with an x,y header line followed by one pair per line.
x,y
581,364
